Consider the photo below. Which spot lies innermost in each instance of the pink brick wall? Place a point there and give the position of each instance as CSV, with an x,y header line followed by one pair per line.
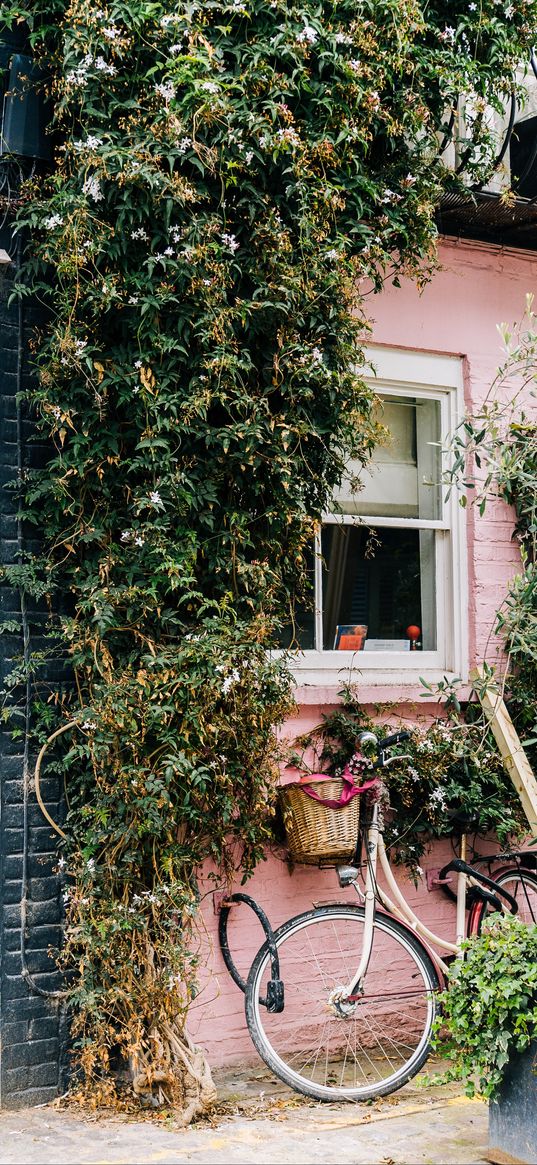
x,y
477,288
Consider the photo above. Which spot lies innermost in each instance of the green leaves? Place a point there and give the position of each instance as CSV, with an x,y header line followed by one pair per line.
x,y
489,1010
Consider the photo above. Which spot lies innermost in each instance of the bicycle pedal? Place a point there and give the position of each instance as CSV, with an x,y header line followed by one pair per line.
x,y
275,995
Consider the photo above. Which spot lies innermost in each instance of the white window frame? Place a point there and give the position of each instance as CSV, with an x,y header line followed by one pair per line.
x,y
401,372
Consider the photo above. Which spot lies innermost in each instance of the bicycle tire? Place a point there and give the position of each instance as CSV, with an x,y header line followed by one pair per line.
x,y
522,884
369,1053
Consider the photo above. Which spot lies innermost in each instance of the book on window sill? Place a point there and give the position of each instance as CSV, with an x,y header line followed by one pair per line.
x,y
350,637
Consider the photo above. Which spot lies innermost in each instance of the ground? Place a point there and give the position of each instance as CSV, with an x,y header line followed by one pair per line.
x,y
260,1122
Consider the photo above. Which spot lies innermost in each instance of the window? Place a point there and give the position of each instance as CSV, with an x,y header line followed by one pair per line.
x,y
389,559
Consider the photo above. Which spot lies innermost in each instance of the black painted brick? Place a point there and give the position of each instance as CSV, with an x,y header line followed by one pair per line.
x,y
33,1029
31,1053
35,1076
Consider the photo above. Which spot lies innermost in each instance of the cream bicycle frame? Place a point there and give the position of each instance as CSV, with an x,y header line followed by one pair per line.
x,y
399,907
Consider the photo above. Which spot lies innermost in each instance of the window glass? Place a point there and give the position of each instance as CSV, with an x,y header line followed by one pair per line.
x,y
403,479
376,585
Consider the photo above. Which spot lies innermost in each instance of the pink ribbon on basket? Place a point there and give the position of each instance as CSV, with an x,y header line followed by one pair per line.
x,y
350,788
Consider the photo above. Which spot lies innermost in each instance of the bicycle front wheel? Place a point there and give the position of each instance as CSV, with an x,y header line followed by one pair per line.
x,y
380,1042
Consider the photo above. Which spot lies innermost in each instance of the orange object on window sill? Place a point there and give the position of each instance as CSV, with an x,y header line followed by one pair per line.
x,y
350,637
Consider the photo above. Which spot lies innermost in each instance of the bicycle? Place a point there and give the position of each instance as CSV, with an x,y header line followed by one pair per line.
x,y
341,1000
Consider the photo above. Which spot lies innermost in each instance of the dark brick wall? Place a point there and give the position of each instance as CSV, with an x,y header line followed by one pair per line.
x,y
33,1027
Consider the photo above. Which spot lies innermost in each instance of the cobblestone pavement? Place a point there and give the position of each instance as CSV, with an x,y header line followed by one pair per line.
x,y
259,1122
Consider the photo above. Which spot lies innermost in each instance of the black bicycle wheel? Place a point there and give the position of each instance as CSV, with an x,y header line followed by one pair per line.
x,y
522,885
383,1038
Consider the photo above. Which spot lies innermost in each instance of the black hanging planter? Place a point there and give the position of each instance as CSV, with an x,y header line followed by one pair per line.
x,y
513,1115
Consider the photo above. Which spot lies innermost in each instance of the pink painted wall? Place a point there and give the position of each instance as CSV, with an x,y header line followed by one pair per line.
x,y
477,288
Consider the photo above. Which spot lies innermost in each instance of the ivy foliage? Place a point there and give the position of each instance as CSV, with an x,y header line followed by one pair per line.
x,y
229,179
490,1006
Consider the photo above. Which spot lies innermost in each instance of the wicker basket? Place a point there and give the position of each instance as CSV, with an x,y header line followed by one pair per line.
x,y
315,833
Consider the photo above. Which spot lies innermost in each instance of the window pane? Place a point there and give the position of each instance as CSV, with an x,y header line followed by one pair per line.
x,y
403,479
383,580
301,632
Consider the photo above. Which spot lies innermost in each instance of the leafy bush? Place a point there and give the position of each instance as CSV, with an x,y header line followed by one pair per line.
x,y
490,1006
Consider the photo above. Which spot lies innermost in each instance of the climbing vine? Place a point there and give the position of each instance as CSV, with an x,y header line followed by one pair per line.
x,y
230,178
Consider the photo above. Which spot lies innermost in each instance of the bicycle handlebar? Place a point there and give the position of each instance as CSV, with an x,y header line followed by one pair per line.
x,y
395,738
381,745
460,867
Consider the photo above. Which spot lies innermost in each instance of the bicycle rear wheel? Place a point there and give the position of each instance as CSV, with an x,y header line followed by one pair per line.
x,y
522,885
380,1043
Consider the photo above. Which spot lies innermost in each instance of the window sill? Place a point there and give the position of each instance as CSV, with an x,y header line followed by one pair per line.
x,y
395,690
320,679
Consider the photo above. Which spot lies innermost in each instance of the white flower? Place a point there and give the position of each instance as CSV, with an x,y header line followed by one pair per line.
x,y
317,355
248,156
61,863
54,220
139,233
169,251
105,67
183,145
166,90
92,187
308,35
332,255
139,541
355,65
80,346
79,75
89,725
91,143
288,134
126,536
230,241
231,679
155,498
133,299
90,865
448,34
176,48
343,38
112,32
210,87
138,364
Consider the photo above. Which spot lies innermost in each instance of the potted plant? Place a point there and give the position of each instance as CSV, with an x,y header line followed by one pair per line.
x,y
488,1030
